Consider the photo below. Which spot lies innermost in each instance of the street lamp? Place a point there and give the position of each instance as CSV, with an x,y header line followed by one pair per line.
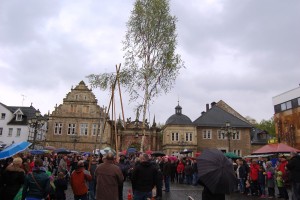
x,y
75,139
36,123
228,132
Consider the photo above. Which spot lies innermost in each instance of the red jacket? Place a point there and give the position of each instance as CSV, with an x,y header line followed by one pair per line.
x,y
281,166
78,181
254,169
180,167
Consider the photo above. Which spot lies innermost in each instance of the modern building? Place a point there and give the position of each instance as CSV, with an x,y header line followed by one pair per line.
x,y
19,123
221,127
287,117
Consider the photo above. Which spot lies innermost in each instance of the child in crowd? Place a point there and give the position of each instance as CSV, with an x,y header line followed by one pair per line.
x,y
262,181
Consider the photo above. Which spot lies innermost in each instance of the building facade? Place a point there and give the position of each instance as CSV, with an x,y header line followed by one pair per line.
x,y
223,128
287,117
179,134
78,123
14,126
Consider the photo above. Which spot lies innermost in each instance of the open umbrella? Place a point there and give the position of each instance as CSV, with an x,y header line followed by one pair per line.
x,y
14,149
158,153
186,151
216,171
62,151
38,152
51,148
231,155
275,148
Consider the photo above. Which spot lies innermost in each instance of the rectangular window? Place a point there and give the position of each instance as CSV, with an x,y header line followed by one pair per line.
x,y
174,137
221,135
206,134
58,129
83,129
288,105
1,131
2,115
19,117
188,137
10,130
94,130
236,135
18,132
71,129
283,106
237,152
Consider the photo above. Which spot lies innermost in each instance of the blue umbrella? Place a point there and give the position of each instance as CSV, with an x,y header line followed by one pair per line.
x,y
14,149
37,152
62,151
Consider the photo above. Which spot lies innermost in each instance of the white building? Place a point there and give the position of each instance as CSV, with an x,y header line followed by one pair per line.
x,y
14,124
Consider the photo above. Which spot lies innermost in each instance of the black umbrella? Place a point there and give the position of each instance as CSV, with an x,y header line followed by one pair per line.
x,y
62,151
158,153
216,171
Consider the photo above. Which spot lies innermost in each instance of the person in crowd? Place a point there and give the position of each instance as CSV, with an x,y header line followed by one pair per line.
x,y
79,177
195,173
294,169
280,185
124,167
180,171
254,169
241,175
92,183
61,185
173,170
144,178
208,195
13,179
37,183
109,177
46,163
270,182
281,167
167,173
262,181
188,171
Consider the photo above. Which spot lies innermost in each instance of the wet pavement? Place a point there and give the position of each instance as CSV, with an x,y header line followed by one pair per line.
x,y
178,192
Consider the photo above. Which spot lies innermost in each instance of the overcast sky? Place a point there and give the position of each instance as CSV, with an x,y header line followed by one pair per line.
x,y
241,52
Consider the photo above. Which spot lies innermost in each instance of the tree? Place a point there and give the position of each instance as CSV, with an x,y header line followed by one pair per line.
x,y
267,125
151,64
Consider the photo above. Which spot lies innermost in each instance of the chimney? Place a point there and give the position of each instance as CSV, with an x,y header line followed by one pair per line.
x,y
207,107
213,104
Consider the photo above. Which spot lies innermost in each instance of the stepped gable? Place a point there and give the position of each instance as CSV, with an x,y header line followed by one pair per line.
x,y
178,118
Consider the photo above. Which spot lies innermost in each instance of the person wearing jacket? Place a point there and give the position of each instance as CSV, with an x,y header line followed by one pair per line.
x,y
294,169
180,171
144,178
13,179
37,183
61,185
109,178
254,170
79,177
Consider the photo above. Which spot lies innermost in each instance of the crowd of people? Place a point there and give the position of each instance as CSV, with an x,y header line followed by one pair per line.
x,y
98,177
259,177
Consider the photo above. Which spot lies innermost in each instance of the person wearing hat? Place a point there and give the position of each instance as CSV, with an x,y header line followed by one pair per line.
x,y
79,177
109,178
294,169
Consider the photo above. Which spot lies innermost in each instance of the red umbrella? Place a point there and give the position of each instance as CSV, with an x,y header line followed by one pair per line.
x,y
149,152
197,154
173,158
275,148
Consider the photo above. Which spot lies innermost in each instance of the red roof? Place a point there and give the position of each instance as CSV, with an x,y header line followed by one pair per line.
x,y
275,148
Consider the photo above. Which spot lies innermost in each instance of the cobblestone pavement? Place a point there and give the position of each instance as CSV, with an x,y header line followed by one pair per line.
x,y
178,192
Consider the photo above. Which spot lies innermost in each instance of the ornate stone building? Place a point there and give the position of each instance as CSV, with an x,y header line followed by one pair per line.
x,y
131,134
78,122
287,117
179,133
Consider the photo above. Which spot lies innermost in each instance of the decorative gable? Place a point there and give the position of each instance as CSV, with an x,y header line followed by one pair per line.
x,y
18,115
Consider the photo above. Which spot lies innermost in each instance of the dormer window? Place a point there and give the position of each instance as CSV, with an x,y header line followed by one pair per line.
x,y
19,117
